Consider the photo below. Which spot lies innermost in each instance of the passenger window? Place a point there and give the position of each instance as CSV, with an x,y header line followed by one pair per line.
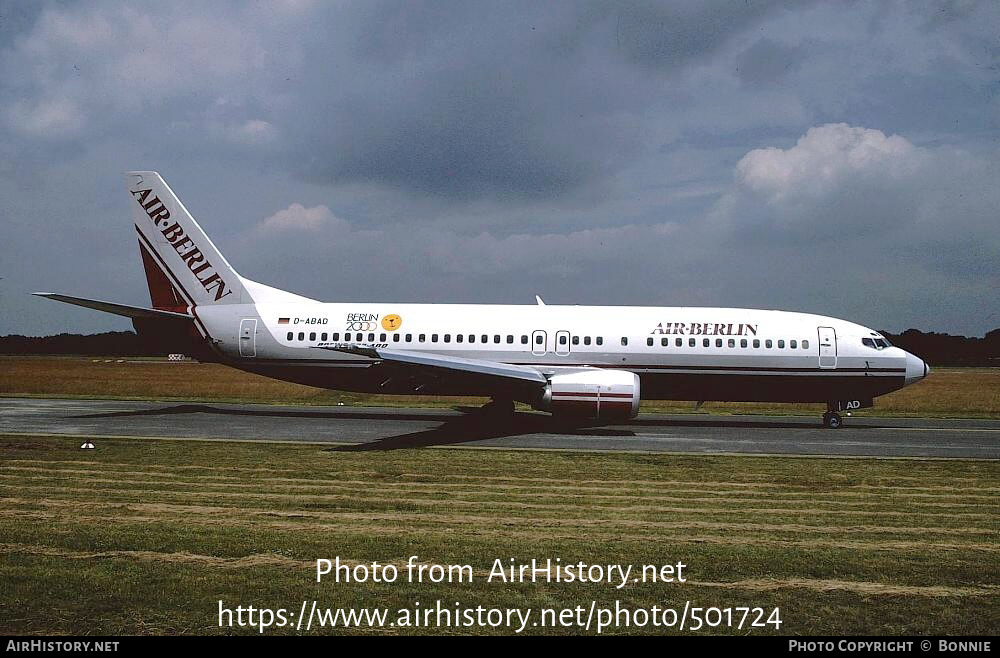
x,y
395,338
600,340
322,337
381,338
743,342
485,338
562,339
586,340
649,342
409,338
718,342
624,340
705,342
447,338
576,340
756,343
434,338
805,344
664,342
524,339
360,338
371,338
302,336
422,337
732,342
312,336
793,344
781,344
692,342
679,342
336,336
767,344
459,338
538,339
510,339
290,335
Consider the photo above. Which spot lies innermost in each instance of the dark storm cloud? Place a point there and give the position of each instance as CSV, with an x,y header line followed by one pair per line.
x,y
480,99
831,157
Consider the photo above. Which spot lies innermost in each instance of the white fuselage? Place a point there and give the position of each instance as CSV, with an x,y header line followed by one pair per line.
x,y
685,353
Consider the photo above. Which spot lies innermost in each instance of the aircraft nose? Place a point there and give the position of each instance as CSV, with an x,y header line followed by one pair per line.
x,y
916,368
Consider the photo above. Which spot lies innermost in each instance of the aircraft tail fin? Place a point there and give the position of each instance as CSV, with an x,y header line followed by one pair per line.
x,y
183,267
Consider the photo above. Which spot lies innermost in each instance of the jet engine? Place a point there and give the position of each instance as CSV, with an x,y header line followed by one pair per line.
x,y
597,393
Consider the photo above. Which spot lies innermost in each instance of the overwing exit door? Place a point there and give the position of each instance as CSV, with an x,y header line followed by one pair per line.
x,y
562,343
539,340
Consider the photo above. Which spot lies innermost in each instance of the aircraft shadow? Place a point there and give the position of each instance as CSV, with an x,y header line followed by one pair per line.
x,y
480,426
273,413
468,413
746,423
470,424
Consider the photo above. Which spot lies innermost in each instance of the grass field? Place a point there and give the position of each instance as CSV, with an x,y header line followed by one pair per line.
x,y
145,536
947,392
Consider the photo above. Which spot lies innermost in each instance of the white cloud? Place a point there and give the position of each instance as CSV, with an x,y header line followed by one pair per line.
x,y
297,217
824,159
880,202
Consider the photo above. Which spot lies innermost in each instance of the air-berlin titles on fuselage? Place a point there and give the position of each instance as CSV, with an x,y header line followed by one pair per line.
x,y
705,329
174,234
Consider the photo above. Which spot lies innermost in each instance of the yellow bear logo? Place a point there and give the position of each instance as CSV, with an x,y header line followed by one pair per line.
x,y
391,322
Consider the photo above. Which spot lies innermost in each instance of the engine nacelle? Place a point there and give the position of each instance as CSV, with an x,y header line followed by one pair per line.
x,y
597,393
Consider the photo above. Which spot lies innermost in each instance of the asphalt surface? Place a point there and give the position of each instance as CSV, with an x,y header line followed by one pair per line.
x,y
368,428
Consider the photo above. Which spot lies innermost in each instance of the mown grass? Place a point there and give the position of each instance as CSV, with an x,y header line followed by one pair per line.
x,y
947,392
145,537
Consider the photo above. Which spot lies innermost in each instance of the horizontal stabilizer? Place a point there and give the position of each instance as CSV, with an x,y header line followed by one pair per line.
x,y
117,309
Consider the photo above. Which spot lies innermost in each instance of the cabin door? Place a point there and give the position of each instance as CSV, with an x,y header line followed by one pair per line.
x,y
248,337
827,347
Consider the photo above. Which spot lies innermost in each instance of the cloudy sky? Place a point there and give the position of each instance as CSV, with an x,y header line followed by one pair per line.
x,y
831,157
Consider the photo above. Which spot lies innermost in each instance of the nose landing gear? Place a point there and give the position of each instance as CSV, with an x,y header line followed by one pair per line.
x,y
832,420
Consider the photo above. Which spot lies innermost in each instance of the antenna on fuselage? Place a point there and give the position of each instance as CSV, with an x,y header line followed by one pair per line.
x,y
539,300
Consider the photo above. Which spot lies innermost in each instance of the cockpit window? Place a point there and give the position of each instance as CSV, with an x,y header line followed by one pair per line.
x,y
875,343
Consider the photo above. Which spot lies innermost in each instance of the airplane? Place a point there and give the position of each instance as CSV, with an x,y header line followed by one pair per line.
x,y
577,362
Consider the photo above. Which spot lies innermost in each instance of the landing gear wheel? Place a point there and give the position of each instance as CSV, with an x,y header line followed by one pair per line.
x,y
832,420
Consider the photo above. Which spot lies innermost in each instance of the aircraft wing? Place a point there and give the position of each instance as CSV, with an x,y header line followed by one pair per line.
x,y
117,309
480,368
